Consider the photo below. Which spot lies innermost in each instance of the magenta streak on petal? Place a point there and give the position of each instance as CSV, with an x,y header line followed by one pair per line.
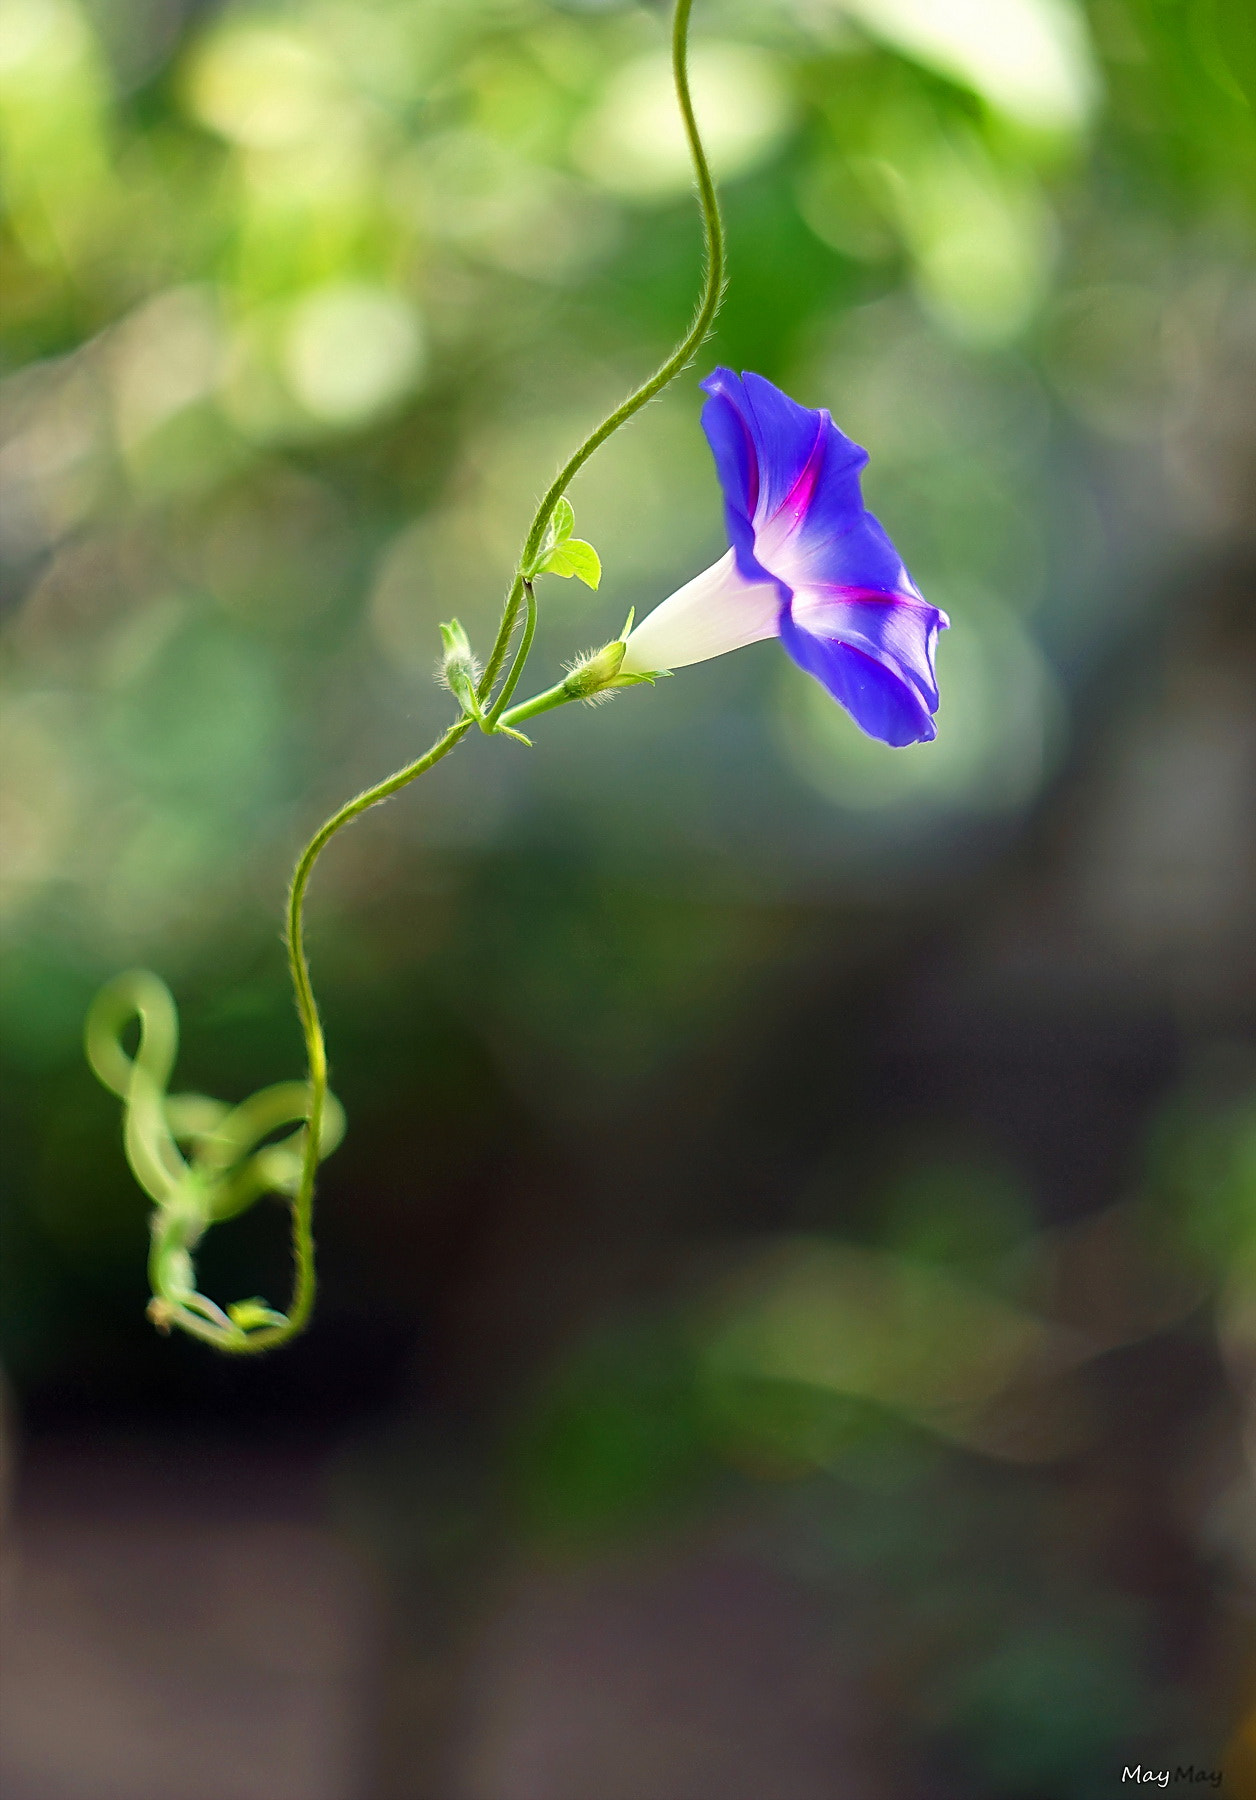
x,y
799,497
813,567
872,690
873,597
896,630
752,467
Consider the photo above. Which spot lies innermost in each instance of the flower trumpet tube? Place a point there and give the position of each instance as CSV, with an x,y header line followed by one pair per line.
x,y
808,564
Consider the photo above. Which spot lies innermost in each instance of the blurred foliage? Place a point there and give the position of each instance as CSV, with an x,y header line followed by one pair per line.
x,y
1202,1162
303,301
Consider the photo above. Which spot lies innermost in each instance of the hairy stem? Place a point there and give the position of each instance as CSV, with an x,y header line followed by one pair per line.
x,y
708,306
519,596
304,1283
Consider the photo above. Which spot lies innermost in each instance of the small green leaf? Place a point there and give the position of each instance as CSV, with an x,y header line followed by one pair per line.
x,y
557,533
574,557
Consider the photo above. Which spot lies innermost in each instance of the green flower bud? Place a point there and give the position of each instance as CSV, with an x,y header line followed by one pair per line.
x,y
458,660
591,676
459,670
596,677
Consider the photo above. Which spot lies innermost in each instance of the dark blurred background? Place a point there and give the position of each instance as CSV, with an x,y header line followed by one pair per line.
x,y
789,1304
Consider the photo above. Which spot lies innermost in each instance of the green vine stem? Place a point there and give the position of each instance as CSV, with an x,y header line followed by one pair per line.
x,y
704,318
229,1162
182,1211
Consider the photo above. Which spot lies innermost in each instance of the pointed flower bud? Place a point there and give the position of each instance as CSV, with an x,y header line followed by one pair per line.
x,y
459,669
591,676
596,677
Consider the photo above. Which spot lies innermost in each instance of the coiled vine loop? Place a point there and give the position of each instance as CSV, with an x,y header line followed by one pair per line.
x,y
200,1161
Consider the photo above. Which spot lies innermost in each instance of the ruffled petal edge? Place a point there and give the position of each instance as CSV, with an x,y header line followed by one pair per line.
x,y
886,700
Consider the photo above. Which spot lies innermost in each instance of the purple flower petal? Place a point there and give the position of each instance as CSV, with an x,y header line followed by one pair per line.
x,y
737,465
808,563
875,696
832,547
776,460
779,464
898,633
851,614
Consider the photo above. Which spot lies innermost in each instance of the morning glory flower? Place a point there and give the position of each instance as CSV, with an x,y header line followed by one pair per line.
x,y
807,564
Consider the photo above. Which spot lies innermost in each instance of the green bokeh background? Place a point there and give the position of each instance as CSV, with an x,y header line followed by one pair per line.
x,y
665,1042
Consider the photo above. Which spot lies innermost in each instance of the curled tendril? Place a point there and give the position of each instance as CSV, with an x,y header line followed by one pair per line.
x,y
200,1161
